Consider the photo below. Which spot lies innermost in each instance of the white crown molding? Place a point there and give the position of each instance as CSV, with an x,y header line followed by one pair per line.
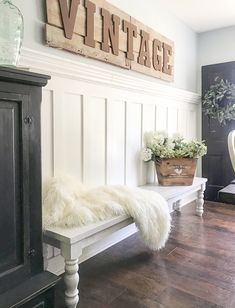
x,y
54,65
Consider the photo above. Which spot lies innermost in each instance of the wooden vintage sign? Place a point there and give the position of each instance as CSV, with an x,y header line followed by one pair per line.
x,y
97,29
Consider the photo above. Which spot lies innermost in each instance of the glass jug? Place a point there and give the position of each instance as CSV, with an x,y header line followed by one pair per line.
x,y
11,33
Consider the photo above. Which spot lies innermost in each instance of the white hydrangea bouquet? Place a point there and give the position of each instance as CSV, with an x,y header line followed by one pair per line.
x,y
158,146
175,159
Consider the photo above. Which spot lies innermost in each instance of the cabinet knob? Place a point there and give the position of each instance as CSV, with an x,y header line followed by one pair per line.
x,y
31,253
28,120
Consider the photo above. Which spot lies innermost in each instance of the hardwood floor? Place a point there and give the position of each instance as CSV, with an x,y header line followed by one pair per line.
x,y
196,269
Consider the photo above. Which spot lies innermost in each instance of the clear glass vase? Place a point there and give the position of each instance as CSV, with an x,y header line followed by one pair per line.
x,y
11,33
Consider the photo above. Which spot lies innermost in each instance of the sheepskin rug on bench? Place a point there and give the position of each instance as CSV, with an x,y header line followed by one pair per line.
x,y
68,203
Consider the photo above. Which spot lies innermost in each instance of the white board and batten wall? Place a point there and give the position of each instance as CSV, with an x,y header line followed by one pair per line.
x,y
93,121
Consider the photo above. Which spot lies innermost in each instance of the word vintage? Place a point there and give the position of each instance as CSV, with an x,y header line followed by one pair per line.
x,y
97,29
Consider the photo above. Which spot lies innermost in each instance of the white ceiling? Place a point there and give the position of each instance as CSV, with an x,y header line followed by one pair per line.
x,y
203,15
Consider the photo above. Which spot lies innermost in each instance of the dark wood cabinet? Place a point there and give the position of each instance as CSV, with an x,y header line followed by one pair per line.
x,y
216,165
22,278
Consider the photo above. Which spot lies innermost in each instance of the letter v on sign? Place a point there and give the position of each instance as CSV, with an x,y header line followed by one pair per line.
x,y
69,16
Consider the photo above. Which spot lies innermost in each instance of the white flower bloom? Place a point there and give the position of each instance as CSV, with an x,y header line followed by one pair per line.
x,y
152,139
159,138
176,136
159,145
146,154
170,144
163,133
148,139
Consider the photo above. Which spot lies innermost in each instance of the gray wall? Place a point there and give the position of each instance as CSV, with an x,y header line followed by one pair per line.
x,y
216,46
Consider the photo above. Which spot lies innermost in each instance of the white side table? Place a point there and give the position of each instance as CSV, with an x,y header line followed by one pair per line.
x,y
175,194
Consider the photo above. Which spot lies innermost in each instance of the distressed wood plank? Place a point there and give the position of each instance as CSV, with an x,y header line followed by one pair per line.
x,y
56,39
135,66
54,19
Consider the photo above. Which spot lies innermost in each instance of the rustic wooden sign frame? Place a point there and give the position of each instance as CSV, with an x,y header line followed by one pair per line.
x,y
97,29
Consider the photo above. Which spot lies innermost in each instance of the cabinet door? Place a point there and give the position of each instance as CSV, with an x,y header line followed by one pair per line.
x,y
14,186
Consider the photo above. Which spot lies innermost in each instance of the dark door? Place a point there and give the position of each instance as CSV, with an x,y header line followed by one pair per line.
x,y
14,186
216,165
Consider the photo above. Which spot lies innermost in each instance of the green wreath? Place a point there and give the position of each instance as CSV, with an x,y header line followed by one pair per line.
x,y
219,101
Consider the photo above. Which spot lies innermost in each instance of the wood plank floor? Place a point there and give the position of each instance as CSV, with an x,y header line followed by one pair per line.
x,y
196,268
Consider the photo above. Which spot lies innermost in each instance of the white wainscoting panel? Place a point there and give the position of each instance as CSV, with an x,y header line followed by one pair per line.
x,y
183,122
172,120
94,140
133,143
71,134
148,124
116,142
193,123
93,122
161,117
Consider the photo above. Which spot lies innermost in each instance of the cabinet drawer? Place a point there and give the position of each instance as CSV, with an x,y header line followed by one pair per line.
x,y
44,300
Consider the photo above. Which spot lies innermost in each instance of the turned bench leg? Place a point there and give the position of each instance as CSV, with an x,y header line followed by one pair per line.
x,y
71,279
200,200
177,206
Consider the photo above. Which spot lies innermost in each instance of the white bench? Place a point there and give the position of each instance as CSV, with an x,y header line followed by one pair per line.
x,y
175,194
76,242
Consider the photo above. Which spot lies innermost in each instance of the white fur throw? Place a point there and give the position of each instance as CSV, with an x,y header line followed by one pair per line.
x,y
67,203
